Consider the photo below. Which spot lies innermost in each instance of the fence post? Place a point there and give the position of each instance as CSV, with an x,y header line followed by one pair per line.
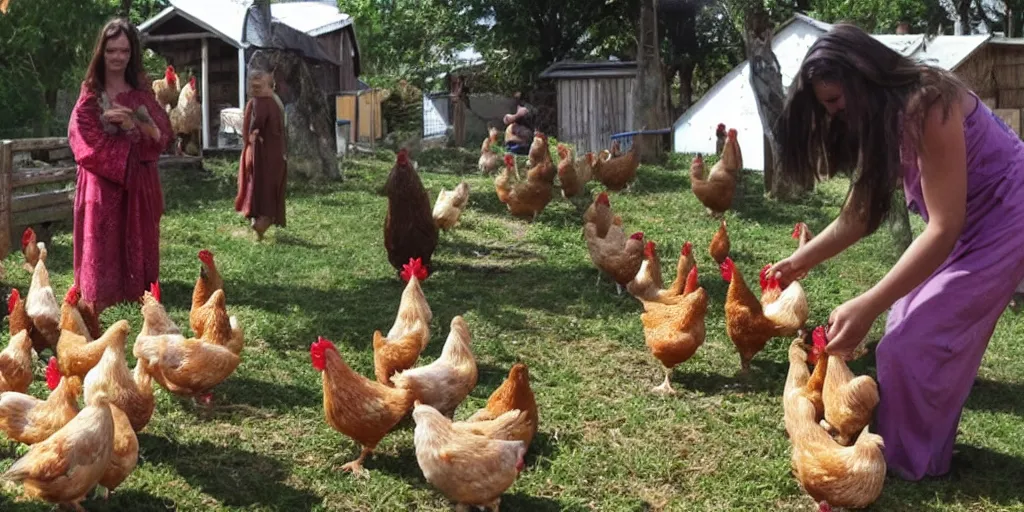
x,y
6,169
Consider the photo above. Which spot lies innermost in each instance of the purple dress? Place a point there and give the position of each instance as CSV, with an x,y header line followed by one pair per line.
x,y
936,335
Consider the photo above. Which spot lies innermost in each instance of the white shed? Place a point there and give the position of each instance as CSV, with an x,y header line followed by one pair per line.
x,y
731,100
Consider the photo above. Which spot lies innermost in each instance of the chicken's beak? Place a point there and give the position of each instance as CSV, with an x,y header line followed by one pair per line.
x,y
417,403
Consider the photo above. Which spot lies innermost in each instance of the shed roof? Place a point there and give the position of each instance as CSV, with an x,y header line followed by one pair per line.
x,y
226,18
599,69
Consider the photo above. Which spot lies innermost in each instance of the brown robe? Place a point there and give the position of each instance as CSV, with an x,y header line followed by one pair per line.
x,y
263,169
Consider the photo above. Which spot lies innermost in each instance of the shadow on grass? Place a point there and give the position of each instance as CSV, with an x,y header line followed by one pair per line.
x,y
996,396
978,474
236,477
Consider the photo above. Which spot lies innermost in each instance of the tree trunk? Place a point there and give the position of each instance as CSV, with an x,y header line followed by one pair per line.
x,y
686,85
649,97
126,8
963,9
766,82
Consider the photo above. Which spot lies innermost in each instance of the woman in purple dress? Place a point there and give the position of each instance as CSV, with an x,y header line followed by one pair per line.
x,y
887,120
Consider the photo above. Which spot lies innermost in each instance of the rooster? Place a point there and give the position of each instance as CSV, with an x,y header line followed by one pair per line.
x,y
167,89
187,118
32,249
410,332
409,228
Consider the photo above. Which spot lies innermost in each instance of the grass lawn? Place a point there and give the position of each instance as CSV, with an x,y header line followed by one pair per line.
x,y
528,293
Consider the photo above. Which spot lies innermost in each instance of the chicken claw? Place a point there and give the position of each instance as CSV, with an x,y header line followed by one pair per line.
x,y
665,388
356,466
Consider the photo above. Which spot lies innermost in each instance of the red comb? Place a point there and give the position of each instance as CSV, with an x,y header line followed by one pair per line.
x,y
72,296
687,249
53,375
317,352
819,342
26,236
509,159
639,235
727,268
721,128
732,133
796,230
13,300
403,157
649,250
206,256
691,281
602,198
154,290
415,269
764,276
698,159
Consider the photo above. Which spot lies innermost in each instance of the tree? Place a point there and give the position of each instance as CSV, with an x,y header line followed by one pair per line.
x,y
649,101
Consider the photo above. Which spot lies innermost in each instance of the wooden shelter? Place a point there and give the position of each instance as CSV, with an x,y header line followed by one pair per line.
x,y
595,101
206,38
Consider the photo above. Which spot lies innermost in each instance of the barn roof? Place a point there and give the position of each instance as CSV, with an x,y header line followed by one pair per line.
x,y
226,19
947,52
600,69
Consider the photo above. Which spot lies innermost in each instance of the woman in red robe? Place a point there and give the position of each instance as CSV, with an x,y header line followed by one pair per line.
x,y
263,169
117,132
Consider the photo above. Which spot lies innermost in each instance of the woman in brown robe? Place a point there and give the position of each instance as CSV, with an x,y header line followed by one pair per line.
x,y
263,169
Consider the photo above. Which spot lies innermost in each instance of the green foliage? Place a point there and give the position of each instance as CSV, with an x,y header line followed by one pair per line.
x,y
877,16
407,39
43,48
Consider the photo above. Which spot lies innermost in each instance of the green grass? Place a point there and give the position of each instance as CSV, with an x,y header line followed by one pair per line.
x,y
528,292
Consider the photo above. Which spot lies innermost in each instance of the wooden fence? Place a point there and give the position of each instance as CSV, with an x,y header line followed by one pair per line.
x,y
33,194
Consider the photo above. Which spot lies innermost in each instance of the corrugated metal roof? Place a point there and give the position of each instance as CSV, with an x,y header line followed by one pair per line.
x,y
600,69
227,17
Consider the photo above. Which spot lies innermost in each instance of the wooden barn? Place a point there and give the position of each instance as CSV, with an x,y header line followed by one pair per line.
x,y
595,101
205,38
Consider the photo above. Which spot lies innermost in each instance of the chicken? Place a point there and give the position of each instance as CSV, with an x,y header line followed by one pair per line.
x,y
510,426
745,322
215,326
615,254
513,394
125,454
63,468
16,363
833,475
540,151
731,161
526,199
410,332
449,206
27,419
448,380
359,408
209,281
816,382
186,117
167,89
802,233
131,393
573,177
186,367
616,149
600,213
849,401
787,309
70,316
719,138
489,160
409,229
42,307
647,285
673,332
719,246
155,320
32,249
715,192
468,469
77,356
617,172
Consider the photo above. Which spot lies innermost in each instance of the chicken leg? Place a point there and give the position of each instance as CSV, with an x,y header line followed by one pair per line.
x,y
356,466
665,388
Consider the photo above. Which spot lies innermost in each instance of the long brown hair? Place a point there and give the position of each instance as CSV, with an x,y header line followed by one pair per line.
x,y
134,74
887,98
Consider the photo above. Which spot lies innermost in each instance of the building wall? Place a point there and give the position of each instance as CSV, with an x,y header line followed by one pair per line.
x,y
338,44
591,110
